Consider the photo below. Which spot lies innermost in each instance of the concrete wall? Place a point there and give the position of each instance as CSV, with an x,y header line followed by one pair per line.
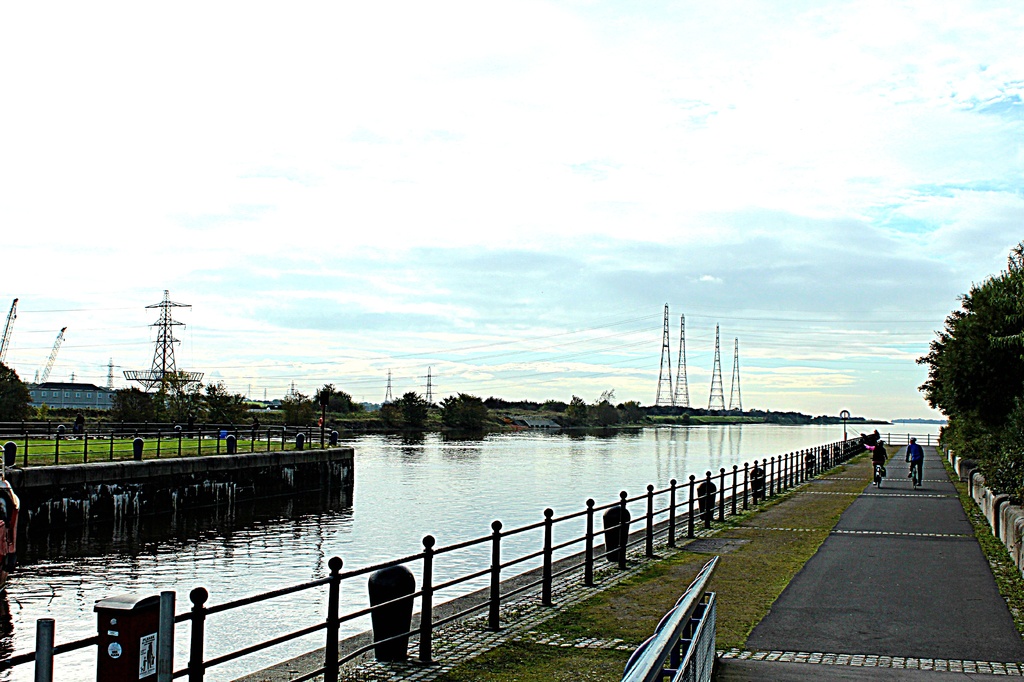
x,y
1005,519
81,494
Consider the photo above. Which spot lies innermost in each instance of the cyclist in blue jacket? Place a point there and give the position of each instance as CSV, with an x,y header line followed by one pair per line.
x,y
915,455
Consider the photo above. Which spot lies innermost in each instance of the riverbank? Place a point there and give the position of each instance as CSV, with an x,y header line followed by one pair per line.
x,y
761,553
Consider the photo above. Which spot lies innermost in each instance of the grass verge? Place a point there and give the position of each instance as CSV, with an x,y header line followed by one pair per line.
x,y
763,550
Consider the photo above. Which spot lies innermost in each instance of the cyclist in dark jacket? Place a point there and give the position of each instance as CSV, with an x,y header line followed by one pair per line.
x,y
878,457
915,455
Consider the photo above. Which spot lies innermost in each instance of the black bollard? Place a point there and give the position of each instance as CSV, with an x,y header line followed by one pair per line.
x,y
137,449
706,500
232,444
300,440
613,521
757,482
10,453
61,430
334,438
385,585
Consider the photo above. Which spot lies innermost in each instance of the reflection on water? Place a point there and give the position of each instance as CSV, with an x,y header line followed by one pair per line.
x,y
451,488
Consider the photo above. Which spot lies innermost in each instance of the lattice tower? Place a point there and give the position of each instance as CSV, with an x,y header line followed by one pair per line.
x,y
164,368
665,378
682,388
387,395
717,399
110,375
430,388
5,340
735,399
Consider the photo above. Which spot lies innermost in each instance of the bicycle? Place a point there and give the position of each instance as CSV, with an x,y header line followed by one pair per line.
x,y
915,474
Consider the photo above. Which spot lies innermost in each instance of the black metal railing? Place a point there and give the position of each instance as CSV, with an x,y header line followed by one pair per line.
x,y
669,513
46,443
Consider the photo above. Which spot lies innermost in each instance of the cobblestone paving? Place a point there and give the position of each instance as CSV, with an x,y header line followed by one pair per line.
x,y
874,661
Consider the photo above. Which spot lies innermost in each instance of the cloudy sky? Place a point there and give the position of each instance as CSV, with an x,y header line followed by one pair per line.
x,y
506,195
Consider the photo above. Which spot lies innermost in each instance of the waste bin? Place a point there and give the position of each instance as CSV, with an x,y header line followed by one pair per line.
x,y
394,619
757,483
232,443
613,520
127,626
706,500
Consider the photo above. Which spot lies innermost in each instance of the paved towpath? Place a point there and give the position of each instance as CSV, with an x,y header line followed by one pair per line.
x,y
900,583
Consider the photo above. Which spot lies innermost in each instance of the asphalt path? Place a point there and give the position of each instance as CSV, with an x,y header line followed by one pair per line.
x,y
901,575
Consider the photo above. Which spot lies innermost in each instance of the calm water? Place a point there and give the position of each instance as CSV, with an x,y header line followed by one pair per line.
x,y
403,491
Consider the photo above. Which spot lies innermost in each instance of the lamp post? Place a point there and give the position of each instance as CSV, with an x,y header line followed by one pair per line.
x,y
844,415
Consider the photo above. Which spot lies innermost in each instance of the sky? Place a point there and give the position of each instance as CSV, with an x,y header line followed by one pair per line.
x,y
505,196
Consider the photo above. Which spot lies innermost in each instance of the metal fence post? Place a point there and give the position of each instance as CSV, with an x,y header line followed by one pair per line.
x,y
333,626
165,638
721,494
546,571
588,561
111,444
493,619
56,449
649,535
44,649
746,484
196,664
85,447
707,511
623,531
771,477
199,441
24,456
427,602
689,524
735,489
672,513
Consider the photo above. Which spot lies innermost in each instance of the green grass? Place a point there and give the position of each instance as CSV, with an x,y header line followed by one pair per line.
x,y
72,450
748,580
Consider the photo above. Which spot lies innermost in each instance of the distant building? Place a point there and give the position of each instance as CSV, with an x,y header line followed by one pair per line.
x,y
59,394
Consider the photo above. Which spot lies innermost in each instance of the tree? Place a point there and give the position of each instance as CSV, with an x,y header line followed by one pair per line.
x,y
298,410
414,410
605,414
631,412
179,398
976,377
576,412
15,400
224,406
133,405
464,411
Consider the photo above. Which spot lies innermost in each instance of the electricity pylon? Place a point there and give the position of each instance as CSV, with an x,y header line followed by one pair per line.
x,y
430,388
387,394
682,388
717,399
665,378
164,368
735,399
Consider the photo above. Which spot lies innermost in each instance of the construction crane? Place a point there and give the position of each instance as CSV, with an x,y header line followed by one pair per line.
x,y
6,340
53,356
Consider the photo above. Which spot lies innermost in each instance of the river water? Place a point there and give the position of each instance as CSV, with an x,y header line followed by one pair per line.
x,y
404,489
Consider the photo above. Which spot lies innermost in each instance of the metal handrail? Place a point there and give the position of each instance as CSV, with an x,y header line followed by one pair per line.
x,y
648,663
